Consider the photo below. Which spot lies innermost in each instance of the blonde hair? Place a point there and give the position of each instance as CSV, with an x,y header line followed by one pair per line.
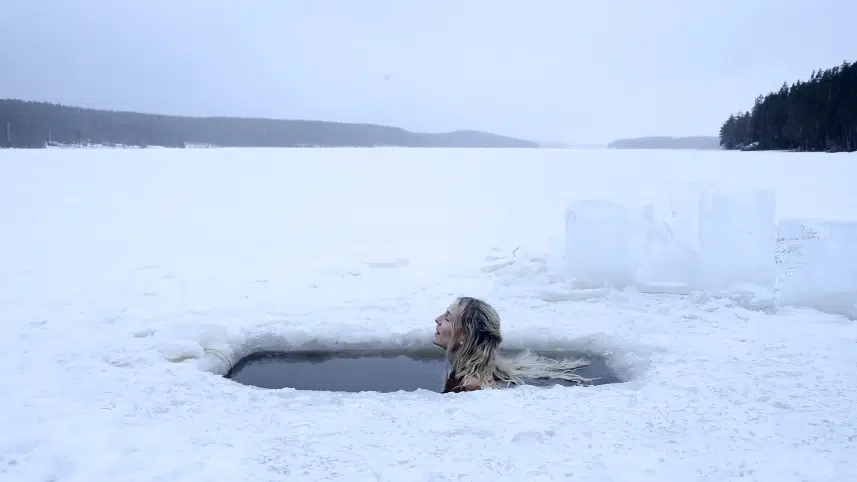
x,y
474,355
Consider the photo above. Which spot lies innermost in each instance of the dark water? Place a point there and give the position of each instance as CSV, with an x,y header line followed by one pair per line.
x,y
379,372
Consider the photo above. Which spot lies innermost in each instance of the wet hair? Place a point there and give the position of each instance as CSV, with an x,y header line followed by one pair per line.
x,y
474,354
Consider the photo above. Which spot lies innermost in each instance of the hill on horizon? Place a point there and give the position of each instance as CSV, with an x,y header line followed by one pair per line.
x,y
667,142
32,124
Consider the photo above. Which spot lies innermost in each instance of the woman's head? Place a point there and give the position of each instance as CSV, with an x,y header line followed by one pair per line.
x,y
469,331
468,327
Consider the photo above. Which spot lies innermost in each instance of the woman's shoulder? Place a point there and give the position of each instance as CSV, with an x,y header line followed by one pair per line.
x,y
456,385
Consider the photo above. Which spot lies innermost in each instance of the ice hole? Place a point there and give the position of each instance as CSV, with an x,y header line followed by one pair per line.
x,y
376,371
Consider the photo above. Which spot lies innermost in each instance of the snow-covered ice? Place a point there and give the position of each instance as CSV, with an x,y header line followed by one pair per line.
x,y
131,279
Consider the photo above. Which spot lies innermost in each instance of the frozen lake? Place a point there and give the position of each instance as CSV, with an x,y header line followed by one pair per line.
x,y
125,270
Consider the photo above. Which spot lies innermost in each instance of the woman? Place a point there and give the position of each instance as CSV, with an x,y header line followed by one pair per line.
x,y
469,331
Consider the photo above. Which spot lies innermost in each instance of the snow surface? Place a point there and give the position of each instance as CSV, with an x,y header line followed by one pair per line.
x,y
132,278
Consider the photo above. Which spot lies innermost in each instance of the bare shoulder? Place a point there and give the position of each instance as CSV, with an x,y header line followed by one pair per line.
x,y
470,384
455,385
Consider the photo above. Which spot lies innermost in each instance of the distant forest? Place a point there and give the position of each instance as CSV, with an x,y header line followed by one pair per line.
x,y
665,142
815,115
30,124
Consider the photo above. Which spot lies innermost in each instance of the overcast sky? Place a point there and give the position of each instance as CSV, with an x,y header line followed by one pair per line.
x,y
560,70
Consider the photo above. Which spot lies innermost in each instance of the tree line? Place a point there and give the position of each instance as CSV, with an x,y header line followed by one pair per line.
x,y
815,115
29,124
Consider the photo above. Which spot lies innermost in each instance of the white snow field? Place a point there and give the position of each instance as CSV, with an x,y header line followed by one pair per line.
x,y
131,279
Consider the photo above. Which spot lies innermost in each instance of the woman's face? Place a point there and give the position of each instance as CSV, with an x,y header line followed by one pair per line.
x,y
443,331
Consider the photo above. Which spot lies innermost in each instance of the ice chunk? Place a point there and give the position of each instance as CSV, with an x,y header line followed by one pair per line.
x,y
598,250
793,235
737,236
668,257
819,265
555,293
178,350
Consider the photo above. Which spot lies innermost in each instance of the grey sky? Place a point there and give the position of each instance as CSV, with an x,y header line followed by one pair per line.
x,y
561,70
